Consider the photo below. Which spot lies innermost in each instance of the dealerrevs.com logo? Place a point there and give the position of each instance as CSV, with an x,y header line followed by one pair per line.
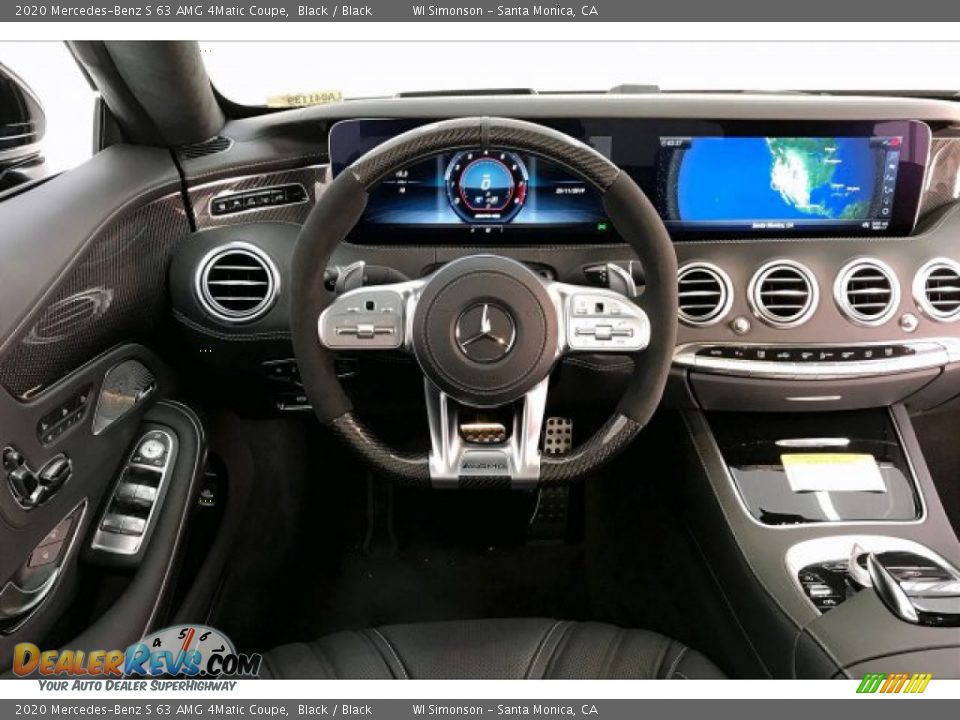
x,y
888,683
182,651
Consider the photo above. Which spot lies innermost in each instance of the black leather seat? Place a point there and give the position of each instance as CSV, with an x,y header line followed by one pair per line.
x,y
490,649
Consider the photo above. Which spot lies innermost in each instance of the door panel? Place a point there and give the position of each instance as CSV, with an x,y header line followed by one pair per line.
x,y
83,267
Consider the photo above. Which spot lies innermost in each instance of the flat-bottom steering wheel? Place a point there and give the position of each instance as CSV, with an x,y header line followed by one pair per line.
x,y
485,329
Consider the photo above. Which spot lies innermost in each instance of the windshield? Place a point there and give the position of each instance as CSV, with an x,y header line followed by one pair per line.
x,y
297,72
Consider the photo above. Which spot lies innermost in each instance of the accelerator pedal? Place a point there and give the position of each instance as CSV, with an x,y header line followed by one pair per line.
x,y
550,519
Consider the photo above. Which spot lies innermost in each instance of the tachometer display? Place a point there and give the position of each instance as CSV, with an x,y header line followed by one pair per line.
x,y
486,186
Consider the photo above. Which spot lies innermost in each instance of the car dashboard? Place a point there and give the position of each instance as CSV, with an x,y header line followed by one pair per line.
x,y
816,237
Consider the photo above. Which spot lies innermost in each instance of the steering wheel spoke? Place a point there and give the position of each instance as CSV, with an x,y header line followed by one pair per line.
x,y
598,320
370,318
461,456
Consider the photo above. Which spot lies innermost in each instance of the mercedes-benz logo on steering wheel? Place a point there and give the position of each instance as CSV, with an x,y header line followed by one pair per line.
x,y
485,332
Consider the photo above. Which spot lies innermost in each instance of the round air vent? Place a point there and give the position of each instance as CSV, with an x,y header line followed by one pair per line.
x,y
867,291
237,283
783,293
936,288
704,292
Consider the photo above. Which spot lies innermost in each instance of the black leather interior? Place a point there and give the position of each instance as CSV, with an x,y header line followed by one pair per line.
x,y
489,650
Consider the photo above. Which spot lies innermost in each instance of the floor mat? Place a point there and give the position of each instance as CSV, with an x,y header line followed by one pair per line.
x,y
301,571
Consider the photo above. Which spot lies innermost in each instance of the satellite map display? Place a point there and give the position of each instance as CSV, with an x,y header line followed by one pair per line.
x,y
779,182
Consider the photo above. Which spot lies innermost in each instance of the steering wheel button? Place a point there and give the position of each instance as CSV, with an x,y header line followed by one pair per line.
x,y
603,332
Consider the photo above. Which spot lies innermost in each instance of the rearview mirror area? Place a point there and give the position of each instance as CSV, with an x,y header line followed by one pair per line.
x,y
22,128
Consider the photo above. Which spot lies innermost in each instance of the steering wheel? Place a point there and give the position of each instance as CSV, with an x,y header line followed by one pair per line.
x,y
485,329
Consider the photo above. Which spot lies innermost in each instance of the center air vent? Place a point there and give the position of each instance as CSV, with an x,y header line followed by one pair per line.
x,y
867,291
704,292
936,288
237,283
783,293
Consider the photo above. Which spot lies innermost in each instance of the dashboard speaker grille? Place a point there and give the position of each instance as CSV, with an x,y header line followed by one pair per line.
x,y
237,283
212,146
867,291
783,293
937,289
704,294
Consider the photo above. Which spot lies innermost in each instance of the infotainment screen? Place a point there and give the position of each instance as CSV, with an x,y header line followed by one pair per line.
x,y
707,179
777,184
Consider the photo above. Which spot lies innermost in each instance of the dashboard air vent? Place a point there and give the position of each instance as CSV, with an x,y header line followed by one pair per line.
x,y
783,293
704,292
212,146
237,283
936,289
867,291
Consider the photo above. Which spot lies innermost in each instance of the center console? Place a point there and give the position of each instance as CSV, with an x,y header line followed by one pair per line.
x,y
829,539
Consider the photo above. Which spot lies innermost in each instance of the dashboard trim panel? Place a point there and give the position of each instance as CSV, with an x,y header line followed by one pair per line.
x,y
926,354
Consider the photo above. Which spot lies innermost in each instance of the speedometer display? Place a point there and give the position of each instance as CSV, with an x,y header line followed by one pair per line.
x,y
485,186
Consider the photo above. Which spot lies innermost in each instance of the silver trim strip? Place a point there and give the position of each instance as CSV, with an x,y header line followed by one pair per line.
x,y
813,442
239,178
928,354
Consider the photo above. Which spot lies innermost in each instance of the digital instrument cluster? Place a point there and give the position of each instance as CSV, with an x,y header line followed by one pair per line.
x,y
735,178
483,191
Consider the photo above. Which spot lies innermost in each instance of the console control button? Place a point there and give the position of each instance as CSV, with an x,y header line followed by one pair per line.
x,y
64,417
256,199
126,492
152,449
133,525
45,554
810,354
59,533
825,585
112,522
145,495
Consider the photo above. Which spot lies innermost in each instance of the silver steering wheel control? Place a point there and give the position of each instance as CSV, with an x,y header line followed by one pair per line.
x,y
486,332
